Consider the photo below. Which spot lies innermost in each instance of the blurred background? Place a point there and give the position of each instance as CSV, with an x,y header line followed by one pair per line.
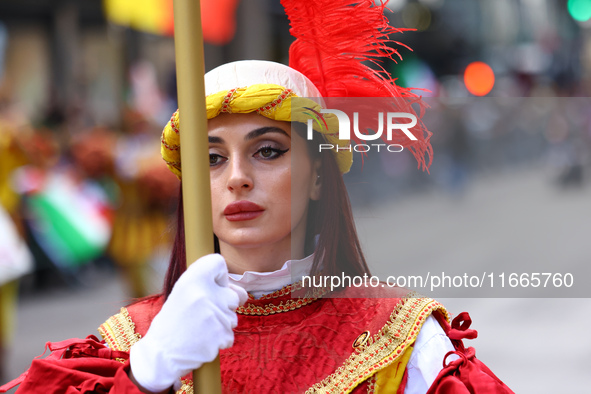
x,y
86,203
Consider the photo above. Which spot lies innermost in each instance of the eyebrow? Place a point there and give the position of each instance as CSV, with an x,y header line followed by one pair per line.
x,y
251,135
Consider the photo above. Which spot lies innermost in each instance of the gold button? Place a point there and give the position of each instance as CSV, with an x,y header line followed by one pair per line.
x,y
361,339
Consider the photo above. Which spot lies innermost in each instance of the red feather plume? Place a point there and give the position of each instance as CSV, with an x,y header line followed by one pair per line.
x,y
334,42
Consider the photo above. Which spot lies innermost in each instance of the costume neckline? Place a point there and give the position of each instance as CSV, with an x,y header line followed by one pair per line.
x,y
263,285
286,299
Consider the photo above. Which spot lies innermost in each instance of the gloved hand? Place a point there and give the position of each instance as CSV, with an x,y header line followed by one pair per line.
x,y
195,322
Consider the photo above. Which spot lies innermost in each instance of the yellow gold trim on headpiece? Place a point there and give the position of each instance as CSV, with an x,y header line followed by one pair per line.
x,y
270,100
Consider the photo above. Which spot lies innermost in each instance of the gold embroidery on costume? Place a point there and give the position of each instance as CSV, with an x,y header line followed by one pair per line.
x,y
226,103
284,306
271,309
277,106
186,388
169,147
174,164
283,291
268,109
384,348
174,122
371,387
119,331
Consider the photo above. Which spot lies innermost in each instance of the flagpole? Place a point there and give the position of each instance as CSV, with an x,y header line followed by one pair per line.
x,y
188,43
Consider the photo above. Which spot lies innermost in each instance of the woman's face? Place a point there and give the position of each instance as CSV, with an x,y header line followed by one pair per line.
x,y
251,174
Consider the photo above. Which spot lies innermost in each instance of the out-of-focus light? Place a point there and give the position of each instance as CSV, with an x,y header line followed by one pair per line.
x,y
416,16
393,5
479,78
153,16
156,16
415,73
434,4
580,10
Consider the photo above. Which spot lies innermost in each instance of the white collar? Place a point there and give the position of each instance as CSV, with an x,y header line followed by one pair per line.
x,y
259,283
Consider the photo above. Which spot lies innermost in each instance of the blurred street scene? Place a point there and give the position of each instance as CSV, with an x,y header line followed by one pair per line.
x,y
87,205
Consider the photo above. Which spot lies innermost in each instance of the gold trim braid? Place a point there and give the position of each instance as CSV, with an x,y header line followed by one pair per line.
x,y
119,331
186,388
269,100
283,306
380,351
371,386
384,348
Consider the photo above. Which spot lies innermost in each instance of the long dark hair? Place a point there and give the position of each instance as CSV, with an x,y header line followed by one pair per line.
x,y
330,218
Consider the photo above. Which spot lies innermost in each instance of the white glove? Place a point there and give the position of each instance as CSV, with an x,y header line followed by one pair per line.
x,y
195,322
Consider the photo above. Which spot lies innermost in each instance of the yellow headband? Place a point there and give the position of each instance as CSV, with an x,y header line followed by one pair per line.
x,y
270,100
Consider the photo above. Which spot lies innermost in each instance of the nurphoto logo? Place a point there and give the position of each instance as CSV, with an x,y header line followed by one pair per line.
x,y
391,119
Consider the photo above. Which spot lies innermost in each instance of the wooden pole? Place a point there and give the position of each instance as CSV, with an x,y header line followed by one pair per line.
x,y
188,43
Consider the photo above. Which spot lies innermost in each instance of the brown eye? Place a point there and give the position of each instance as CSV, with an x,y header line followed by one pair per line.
x,y
214,159
267,152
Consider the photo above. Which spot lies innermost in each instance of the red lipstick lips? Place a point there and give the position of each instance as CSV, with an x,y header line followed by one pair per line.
x,y
242,210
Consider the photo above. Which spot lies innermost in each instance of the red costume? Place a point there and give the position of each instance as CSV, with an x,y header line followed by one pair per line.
x,y
286,344
282,344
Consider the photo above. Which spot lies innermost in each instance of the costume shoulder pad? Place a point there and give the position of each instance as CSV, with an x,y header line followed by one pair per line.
x,y
124,329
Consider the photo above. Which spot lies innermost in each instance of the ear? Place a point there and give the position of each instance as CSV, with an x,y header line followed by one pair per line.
x,y
316,182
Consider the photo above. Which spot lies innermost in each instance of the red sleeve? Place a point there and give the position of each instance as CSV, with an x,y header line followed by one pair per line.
x,y
467,374
78,375
86,365
77,366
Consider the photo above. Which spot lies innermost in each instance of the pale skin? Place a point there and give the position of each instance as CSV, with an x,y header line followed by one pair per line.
x,y
251,160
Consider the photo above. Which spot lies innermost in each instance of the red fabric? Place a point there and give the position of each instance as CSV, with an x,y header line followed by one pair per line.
x,y
78,375
290,350
467,374
143,312
76,366
313,340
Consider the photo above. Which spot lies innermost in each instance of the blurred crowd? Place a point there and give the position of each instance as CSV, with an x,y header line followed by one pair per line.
x,y
99,193
478,137
98,199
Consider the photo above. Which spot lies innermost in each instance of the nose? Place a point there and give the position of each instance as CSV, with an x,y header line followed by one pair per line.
x,y
240,175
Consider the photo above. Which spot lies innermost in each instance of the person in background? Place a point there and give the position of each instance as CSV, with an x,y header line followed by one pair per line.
x,y
15,257
146,195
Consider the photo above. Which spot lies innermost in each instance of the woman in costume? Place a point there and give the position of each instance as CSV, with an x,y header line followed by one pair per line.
x,y
275,335
246,302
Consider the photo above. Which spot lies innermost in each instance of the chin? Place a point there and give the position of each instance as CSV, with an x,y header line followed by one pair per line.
x,y
251,241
